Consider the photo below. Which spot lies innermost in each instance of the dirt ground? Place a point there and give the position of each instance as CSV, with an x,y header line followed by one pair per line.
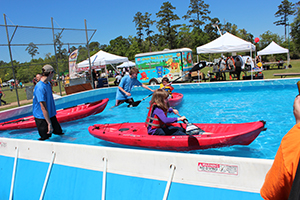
x,y
15,104
25,102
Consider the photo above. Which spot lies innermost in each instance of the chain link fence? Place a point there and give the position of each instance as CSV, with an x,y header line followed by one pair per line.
x,y
25,50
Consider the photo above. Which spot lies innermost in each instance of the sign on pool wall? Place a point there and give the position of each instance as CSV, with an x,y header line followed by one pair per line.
x,y
218,168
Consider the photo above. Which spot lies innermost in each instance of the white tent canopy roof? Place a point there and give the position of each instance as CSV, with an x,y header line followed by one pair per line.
x,y
11,80
226,43
101,58
126,64
273,48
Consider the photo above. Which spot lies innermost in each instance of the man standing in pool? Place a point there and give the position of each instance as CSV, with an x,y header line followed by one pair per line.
x,y
43,106
125,86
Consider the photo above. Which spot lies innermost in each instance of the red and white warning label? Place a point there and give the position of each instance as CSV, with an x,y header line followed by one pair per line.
x,y
218,168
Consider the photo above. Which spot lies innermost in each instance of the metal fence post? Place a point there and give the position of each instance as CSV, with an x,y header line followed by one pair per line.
x,y
56,56
11,59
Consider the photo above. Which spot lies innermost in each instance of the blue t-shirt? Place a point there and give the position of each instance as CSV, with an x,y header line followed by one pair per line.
x,y
43,92
127,84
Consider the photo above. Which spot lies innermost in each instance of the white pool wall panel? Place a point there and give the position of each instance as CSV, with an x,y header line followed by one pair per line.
x,y
77,173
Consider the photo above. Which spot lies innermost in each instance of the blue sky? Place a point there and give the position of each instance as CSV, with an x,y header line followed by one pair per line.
x,y
114,18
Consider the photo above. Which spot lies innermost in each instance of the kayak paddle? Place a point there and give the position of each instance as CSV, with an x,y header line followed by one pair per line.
x,y
136,103
192,129
17,121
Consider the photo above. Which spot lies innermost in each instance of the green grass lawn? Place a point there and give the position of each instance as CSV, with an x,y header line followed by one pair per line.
x,y
11,96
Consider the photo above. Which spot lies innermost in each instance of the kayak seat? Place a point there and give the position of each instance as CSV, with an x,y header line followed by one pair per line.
x,y
123,129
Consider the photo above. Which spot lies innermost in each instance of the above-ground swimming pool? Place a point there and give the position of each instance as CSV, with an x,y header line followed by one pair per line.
x,y
230,102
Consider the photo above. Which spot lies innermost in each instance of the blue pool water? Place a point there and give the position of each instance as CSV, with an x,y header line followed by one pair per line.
x,y
273,104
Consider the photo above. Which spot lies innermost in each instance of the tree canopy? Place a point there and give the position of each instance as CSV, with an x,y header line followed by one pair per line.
x,y
32,49
285,9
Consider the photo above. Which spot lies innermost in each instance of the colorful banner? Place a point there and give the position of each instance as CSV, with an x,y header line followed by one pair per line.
x,y
72,64
93,67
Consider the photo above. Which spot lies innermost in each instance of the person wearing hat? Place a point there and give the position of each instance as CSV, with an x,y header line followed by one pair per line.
x,y
43,106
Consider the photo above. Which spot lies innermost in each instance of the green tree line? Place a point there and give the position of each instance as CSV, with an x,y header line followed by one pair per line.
x,y
199,29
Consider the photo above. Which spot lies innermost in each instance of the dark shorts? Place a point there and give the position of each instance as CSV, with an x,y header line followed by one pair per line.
x,y
42,127
170,130
129,101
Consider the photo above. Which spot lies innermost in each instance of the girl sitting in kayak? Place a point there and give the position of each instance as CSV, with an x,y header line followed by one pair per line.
x,y
166,86
157,121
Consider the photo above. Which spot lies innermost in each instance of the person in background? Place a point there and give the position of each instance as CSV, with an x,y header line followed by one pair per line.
x,y
43,106
157,121
127,71
88,76
166,86
222,67
2,95
208,74
102,81
34,81
257,59
118,79
248,64
230,63
222,64
279,179
230,66
12,85
67,81
127,82
38,78
238,67
94,75
63,79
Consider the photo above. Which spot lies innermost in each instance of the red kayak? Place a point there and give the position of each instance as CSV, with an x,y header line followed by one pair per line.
x,y
176,99
63,115
215,135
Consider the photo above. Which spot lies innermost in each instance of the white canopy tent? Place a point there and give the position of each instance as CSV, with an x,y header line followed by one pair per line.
x,y
274,48
226,43
100,60
126,64
11,80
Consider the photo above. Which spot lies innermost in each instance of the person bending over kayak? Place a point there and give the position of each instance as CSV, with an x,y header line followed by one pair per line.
x,y
157,121
165,84
125,86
